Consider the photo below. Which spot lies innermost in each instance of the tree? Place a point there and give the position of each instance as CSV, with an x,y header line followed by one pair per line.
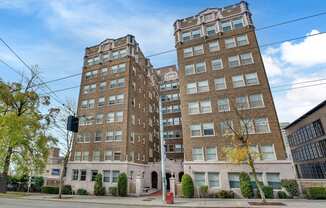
x,y
99,190
66,143
187,186
240,150
245,185
24,143
122,184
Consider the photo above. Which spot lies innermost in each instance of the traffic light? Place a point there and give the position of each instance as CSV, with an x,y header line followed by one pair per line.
x,y
72,124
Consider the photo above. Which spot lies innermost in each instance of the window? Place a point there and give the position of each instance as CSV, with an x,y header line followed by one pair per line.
x,y
178,148
220,83
256,101
203,86
246,58
191,88
251,79
186,36
195,33
191,34
101,102
237,23
199,179
83,175
238,81
117,156
262,125
242,102
210,30
200,67
233,61
193,108
114,136
242,40
189,69
205,106
90,75
273,180
104,71
247,126
118,68
106,175
119,116
115,175
96,155
85,156
211,153
197,154
77,156
267,152
102,86
213,180
98,136
94,174
108,155
230,43
213,46
205,129
223,104
208,129
217,64
187,52
75,174
234,180
116,99
198,50
226,128
195,130
226,26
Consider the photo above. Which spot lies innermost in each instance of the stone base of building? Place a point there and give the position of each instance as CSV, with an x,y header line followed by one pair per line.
x,y
227,172
146,178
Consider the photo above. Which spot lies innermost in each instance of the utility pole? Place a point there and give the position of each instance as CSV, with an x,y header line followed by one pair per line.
x,y
162,153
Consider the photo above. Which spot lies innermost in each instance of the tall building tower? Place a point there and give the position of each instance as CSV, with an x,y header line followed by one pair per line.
x,y
118,115
171,113
220,70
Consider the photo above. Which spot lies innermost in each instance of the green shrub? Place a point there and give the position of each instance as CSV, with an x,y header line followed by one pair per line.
x,y
50,189
187,186
37,183
113,191
245,185
123,184
316,193
224,194
81,192
67,189
291,186
282,195
268,191
203,191
99,190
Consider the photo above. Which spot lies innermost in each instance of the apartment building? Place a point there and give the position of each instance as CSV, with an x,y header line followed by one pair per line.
x,y
118,117
307,141
221,72
171,114
53,167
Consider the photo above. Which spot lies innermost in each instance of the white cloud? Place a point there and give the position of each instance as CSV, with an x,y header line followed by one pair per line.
x,y
295,102
307,53
272,66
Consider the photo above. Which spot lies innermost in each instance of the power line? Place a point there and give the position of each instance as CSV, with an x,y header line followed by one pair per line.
x,y
31,70
264,45
296,83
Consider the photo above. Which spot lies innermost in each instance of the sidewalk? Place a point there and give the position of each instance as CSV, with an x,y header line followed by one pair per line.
x,y
179,202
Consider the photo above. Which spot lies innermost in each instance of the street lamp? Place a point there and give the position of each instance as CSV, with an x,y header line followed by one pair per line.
x,y
162,153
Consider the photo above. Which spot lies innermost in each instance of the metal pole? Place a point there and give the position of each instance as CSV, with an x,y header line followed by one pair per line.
x,y
162,153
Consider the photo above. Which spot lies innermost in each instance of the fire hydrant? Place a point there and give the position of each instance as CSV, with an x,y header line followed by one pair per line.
x,y
169,198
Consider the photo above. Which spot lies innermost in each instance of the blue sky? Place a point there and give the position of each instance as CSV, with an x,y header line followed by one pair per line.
x,y
53,35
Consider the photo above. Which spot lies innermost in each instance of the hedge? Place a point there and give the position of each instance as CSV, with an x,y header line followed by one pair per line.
x,y
291,186
67,189
187,186
81,192
99,190
268,191
282,195
113,191
50,190
224,194
245,185
316,193
123,184
203,191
